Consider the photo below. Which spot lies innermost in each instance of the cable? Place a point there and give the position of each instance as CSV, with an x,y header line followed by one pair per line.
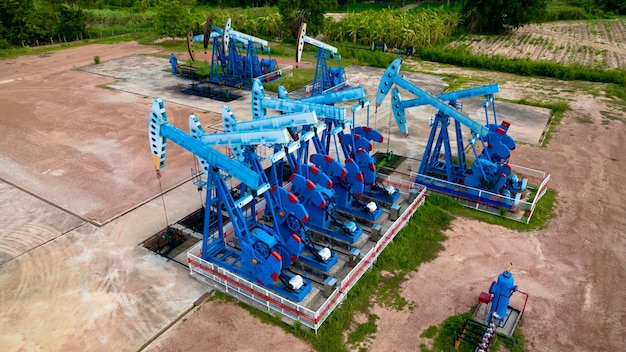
x,y
167,222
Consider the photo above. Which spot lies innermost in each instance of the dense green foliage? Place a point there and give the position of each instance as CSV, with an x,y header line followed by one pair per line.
x,y
171,18
264,21
560,10
498,16
27,21
398,29
314,11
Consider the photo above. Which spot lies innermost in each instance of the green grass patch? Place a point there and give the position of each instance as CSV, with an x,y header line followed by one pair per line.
x,y
301,77
617,93
612,116
544,211
365,331
173,45
447,333
41,50
430,332
455,82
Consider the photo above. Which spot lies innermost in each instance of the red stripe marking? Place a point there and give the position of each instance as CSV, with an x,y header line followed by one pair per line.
x,y
277,256
292,198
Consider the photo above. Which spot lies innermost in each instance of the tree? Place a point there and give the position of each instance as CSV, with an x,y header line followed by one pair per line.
x,y
616,6
72,22
314,17
172,18
13,16
499,16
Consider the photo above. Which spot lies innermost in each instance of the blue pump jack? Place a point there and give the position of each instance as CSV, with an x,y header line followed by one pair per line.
x,y
316,188
502,290
346,190
325,77
258,258
234,58
318,201
490,170
288,212
290,215
358,145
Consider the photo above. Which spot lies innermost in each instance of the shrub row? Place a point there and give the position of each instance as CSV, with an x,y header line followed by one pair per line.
x,y
520,66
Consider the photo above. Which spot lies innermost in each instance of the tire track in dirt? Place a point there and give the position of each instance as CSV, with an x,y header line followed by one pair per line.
x,y
35,282
23,239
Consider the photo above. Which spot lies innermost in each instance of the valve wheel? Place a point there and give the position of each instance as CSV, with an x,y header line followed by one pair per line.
x,y
262,248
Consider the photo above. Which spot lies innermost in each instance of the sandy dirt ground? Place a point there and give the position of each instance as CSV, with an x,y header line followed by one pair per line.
x,y
67,283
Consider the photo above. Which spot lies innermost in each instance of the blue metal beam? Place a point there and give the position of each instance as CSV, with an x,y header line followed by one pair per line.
x,y
392,76
456,95
160,130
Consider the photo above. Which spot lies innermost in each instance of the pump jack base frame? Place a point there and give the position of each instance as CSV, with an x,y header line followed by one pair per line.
x,y
513,316
310,261
381,197
229,259
360,214
337,235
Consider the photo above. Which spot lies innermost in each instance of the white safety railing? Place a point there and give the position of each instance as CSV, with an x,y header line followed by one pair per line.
x,y
283,72
239,287
520,210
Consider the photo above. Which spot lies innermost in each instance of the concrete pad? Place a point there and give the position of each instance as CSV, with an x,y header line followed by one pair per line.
x,y
148,76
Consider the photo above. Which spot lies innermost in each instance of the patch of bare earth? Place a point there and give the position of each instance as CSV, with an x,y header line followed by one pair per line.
x,y
599,43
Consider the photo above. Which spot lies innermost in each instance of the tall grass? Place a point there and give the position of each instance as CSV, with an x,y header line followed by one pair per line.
x,y
563,12
263,22
397,29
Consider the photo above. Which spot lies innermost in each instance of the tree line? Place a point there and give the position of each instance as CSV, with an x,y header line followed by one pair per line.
x,y
25,22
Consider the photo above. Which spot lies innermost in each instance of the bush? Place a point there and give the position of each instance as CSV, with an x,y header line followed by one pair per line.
x,y
96,59
564,13
4,44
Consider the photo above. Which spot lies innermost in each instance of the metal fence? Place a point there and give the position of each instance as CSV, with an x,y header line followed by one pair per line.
x,y
290,311
493,203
